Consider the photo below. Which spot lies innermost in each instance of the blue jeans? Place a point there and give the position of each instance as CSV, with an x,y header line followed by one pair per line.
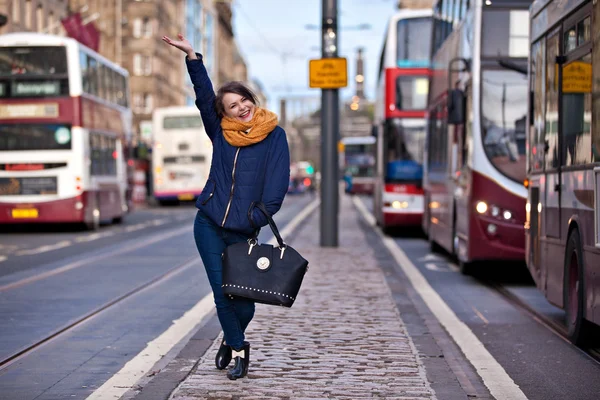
x,y
234,314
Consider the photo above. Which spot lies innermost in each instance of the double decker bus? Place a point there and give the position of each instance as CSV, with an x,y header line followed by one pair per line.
x,y
563,208
400,123
65,123
181,154
358,160
478,99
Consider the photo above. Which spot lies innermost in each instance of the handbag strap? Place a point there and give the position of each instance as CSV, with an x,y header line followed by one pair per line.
x,y
272,225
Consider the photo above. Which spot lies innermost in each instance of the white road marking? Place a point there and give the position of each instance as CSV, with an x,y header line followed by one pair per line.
x,y
142,363
430,257
77,264
3,258
158,222
499,383
434,267
135,227
93,236
44,249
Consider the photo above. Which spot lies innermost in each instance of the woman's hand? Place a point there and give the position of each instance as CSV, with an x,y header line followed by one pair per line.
x,y
182,44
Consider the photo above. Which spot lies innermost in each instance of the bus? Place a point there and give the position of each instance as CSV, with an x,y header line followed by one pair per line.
x,y
475,155
358,160
181,154
562,227
65,126
400,123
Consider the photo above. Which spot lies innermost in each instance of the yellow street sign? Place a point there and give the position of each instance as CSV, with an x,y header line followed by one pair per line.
x,y
328,73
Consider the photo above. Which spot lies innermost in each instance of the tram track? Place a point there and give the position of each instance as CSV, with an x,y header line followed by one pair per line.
x,y
78,321
555,327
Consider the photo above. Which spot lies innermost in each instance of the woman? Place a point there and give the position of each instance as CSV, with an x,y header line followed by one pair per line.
x,y
250,164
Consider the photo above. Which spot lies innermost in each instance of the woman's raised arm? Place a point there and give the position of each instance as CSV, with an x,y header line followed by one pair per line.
x,y
205,95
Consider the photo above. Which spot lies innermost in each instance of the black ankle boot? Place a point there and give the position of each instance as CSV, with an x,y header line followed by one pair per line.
x,y
242,360
223,357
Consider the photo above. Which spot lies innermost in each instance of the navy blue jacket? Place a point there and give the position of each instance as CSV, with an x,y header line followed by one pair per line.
x,y
239,176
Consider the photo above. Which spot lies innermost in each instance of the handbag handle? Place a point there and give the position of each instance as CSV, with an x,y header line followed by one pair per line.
x,y
272,225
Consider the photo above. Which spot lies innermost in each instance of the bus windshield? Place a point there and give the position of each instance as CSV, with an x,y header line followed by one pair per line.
x,y
405,147
182,122
35,137
412,33
411,92
33,71
504,110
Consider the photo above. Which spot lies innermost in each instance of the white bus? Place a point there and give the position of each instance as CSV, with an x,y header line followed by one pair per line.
x,y
475,155
65,123
181,154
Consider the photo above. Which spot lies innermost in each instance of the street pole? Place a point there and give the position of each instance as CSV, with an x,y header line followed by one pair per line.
x,y
329,133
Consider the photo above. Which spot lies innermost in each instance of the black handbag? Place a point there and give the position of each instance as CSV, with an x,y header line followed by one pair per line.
x,y
262,272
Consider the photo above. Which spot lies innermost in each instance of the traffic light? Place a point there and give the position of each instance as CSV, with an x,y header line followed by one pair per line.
x,y
310,170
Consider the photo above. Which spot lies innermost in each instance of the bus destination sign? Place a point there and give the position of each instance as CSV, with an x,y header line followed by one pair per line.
x,y
9,111
328,73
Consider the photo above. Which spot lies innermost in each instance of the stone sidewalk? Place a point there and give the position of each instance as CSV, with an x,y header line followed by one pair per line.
x,y
342,339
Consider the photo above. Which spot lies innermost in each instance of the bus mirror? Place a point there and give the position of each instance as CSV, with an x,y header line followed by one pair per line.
x,y
456,107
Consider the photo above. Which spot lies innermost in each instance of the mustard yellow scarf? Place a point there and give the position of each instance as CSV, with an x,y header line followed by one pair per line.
x,y
241,134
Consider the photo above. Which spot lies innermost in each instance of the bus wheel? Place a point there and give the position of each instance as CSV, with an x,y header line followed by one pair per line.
x,y
577,327
118,220
94,224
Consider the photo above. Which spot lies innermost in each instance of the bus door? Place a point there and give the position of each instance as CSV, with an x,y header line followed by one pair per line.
x,y
551,202
462,173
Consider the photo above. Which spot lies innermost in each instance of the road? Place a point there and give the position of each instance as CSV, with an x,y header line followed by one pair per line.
x,y
90,301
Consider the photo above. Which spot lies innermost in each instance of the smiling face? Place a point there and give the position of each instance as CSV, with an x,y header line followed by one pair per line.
x,y
238,106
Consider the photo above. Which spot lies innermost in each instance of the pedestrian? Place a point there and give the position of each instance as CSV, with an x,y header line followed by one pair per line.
x,y
250,164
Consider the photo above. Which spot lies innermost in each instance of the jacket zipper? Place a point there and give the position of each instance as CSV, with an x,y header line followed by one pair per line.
x,y
232,186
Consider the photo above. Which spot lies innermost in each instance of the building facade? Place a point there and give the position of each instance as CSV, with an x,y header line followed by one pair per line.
x,y
231,64
33,15
201,30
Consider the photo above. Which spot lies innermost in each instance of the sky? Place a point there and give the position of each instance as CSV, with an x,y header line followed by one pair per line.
x,y
267,30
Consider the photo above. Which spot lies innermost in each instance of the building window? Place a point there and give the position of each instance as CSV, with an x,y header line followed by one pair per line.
x,y
146,27
142,65
143,103
142,27
28,14
16,10
137,27
51,23
39,19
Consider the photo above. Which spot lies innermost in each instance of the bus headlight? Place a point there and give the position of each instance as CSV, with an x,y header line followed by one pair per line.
x,y
78,205
399,204
495,211
481,207
507,215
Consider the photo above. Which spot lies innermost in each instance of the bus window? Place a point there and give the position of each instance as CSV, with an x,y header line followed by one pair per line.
x,y
505,33
576,112
412,33
411,92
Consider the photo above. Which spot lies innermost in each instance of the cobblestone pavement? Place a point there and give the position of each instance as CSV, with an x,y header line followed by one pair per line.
x,y
343,338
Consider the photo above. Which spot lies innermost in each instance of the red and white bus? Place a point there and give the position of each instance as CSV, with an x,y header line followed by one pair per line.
x,y
400,107
476,159
65,123
563,208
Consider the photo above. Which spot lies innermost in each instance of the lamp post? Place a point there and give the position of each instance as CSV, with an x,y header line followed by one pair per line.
x,y
329,133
